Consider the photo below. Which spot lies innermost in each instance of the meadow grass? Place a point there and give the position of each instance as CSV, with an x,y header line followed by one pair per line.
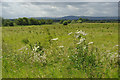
x,y
57,51
0,52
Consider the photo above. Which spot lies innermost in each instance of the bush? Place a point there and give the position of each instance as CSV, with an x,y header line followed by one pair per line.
x,y
69,21
61,21
65,23
11,23
25,41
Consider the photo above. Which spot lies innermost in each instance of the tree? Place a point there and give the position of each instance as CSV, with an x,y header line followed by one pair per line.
x,y
61,21
69,21
65,23
19,21
79,21
49,21
6,22
25,21
42,21
34,21
73,21
11,23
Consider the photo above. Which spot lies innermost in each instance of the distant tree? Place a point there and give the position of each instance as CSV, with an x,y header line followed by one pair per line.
x,y
69,21
25,21
73,21
49,21
19,21
6,22
42,21
79,21
34,21
11,23
65,23
61,21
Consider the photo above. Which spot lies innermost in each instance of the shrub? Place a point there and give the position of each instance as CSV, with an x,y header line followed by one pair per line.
x,y
61,21
65,23
25,41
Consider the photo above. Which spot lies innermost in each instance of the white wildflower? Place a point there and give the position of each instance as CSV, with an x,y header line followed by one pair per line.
x,y
90,43
81,40
84,47
81,32
22,48
115,53
44,56
78,36
54,39
70,33
37,46
60,46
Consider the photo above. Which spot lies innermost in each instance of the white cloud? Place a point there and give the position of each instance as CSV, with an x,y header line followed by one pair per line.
x,y
60,0
41,9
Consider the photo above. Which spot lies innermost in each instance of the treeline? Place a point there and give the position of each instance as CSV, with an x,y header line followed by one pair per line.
x,y
25,21
81,20
32,21
65,22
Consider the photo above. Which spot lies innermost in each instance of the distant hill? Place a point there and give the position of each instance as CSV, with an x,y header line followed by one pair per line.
x,y
77,17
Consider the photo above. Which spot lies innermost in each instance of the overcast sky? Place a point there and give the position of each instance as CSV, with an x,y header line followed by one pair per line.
x,y
12,9
59,0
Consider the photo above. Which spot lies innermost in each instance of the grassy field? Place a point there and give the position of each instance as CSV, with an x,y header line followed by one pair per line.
x,y
84,50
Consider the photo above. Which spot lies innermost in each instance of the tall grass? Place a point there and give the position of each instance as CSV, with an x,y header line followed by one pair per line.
x,y
57,51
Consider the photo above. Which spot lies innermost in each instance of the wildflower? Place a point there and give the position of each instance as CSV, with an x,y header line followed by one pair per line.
x,y
90,43
115,53
84,47
116,45
78,36
35,49
70,33
81,40
81,32
60,46
22,48
37,46
54,39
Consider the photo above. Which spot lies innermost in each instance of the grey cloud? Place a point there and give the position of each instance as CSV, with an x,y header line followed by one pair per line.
x,y
58,9
60,0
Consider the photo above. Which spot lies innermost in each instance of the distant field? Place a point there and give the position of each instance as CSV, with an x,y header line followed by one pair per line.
x,y
83,50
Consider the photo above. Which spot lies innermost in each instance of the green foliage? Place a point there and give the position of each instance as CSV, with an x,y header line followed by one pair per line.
x,y
11,23
7,22
73,21
61,21
25,21
79,21
34,21
69,21
65,23
42,21
49,21
19,21
60,51
25,41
